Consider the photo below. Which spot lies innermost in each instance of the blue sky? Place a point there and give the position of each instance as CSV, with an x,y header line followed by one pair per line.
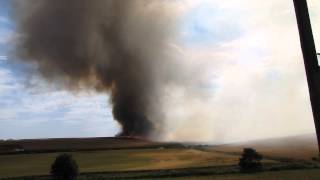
x,y
221,39
203,24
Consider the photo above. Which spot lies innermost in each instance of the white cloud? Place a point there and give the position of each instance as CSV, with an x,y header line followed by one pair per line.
x,y
40,107
7,82
3,58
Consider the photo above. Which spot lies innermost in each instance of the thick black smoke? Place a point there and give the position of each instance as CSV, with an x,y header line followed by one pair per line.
x,y
114,46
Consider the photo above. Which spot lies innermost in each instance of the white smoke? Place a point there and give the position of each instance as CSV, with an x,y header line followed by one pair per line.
x,y
255,83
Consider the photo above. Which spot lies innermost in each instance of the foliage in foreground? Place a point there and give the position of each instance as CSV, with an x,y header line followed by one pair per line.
x,y
64,168
250,160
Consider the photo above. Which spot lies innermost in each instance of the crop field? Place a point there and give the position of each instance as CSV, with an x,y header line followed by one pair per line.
x,y
125,158
115,160
313,174
296,147
71,144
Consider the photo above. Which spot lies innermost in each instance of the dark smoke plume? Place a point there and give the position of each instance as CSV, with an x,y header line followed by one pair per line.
x,y
113,46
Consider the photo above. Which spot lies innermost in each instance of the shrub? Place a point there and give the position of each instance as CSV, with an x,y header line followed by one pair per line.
x,y
64,168
250,160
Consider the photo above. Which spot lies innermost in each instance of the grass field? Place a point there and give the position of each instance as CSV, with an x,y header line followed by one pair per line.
x,y
115,160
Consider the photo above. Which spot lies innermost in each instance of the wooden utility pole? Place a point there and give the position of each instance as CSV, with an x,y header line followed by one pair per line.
x,y
310,60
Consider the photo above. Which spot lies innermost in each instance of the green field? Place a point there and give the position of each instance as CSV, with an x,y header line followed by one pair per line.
x,y
115,160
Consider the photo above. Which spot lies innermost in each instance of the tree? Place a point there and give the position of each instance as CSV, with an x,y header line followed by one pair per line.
x,y
64,168
250,160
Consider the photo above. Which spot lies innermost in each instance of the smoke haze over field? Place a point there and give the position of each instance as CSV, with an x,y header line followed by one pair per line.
x,y
111,46
175,70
